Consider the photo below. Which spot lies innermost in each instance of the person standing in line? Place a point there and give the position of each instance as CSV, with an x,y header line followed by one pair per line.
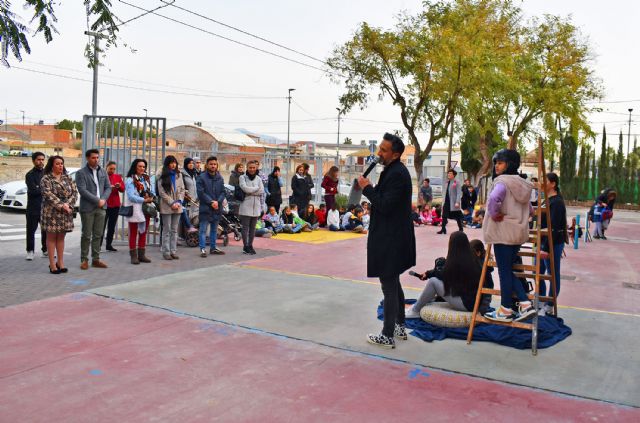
x,y
234,177
426,193
251,206
452,199
171,192
94,189
197,165
113,204
274,185
59,195
210,187
34,205
300,187
330,185
265,181
190,194
391,245
138,190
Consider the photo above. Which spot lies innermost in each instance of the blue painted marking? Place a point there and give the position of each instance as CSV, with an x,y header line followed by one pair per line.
x,y
95,372
78,296
414,373
78,282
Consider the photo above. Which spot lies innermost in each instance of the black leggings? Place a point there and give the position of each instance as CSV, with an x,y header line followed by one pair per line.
x,y
393,304
110,222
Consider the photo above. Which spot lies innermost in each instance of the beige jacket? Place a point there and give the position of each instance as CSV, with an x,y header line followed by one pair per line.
x,y
168,198
514,228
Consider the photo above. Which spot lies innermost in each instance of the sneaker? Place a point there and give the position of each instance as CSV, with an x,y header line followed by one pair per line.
x,y
400,331
192,229
203,252
381,340
29,255
525,312
499,316
548,309
110,248
216,251
252,251
246,250
167,256
410,313
45,254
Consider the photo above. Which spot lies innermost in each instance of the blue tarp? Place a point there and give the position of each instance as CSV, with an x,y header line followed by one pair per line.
x,y
551,330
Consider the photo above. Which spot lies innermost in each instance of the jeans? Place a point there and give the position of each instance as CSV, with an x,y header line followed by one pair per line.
x,y
135,235
393,304
248,229
110,223
32,225
170,232
545,267
435,287
185,215
598,230
506,255
213,232
92,230
334,228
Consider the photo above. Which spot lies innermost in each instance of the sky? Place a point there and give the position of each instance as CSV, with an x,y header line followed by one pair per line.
x,y
157,54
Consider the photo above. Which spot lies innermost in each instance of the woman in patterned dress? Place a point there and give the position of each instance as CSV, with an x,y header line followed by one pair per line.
x,y
59,195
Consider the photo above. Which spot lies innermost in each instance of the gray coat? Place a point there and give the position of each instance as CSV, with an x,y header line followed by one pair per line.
x,y
455,195
87,189
253,190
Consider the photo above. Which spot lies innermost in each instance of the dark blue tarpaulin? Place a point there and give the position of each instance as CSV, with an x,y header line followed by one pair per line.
x,y
551,330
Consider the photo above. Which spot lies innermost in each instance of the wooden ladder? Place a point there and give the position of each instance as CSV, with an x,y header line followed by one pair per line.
x,y
528,271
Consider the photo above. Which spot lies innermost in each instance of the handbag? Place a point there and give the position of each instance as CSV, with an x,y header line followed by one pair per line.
x,y
149,209
126,211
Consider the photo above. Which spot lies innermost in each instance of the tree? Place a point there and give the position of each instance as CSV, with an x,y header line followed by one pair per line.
x,y
348,141
69,124
568,151
617,170
603,171
470,155
424,65
13,34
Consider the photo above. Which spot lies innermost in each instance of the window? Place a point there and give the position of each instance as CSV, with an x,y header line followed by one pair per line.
x,y
441,162
409,161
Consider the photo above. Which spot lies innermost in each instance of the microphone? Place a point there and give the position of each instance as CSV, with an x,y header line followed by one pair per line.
x,y
372,165
412,273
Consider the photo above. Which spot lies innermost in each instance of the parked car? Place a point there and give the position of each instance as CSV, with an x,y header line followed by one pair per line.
x,y
15,193
436,185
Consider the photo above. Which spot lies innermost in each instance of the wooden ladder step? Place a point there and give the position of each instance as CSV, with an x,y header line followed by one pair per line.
x,y
535,231
529,267
527,254
531,276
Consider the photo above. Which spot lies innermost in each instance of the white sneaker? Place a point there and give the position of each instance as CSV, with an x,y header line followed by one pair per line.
x,y
29,255
45,254
410,313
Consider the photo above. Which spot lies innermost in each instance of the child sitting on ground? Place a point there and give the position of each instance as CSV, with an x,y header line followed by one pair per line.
x,y
355,221
321,214
436,216
262,231
297,220
333,219
346,216
458,281
272,221
506,226
478,217
425,215
288,222
309,216
415,215
366,217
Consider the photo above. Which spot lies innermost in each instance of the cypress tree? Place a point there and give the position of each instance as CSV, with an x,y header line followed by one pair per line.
x,y
593,187
604,163
618,169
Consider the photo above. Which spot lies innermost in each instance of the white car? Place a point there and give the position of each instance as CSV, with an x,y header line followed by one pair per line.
x,y
15,193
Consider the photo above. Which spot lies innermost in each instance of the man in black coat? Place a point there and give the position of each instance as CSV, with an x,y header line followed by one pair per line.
x,y
391,246
34,204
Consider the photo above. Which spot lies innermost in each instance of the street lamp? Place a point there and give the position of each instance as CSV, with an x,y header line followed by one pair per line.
x,y
288,139
22,111
338,141
629,133
145,113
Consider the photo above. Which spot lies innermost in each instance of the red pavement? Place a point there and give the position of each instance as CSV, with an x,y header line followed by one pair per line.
x,y
85,358
600,268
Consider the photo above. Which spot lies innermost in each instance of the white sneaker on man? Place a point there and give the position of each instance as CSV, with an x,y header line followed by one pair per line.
x,y
29,255
45,254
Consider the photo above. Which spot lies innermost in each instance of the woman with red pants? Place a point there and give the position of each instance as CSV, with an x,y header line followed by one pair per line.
x,y
138,190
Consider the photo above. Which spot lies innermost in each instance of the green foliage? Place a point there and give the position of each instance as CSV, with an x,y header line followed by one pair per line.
x,y
13,34
347,141
77,145
341,200
470,154
69,124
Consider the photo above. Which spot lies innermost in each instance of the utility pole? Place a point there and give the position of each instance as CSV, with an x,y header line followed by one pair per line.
x,y
338,141
629,133
22,111
94,99
450,147
286,182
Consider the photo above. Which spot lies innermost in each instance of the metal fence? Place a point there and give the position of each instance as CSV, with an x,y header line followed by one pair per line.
x,y
122,139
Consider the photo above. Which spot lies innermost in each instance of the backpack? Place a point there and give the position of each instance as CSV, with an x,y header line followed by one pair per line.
x,y
238,193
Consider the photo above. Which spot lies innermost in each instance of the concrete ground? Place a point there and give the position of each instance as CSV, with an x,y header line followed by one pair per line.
x,y
280,337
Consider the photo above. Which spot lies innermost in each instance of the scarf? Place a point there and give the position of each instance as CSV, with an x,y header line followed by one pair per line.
x,y
251,177
172,175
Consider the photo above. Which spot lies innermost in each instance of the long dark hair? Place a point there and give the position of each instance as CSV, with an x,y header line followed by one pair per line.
x,y
191,172
49,166
165,176
134,165
461,272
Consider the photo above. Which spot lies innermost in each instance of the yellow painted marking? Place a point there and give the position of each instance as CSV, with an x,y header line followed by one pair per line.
x,y
317,237
411,288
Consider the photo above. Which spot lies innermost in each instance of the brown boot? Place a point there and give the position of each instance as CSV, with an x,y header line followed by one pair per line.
x,y
134,256
142,257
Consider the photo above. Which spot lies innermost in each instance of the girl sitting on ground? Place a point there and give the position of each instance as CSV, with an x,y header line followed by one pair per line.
x,y
272,221
506,226
460,277
333,219
309,216
436,215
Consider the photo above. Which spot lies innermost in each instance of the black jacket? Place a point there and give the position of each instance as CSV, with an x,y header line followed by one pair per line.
x,y
468,198
558,213
301,189
34,194
391,246
275,191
